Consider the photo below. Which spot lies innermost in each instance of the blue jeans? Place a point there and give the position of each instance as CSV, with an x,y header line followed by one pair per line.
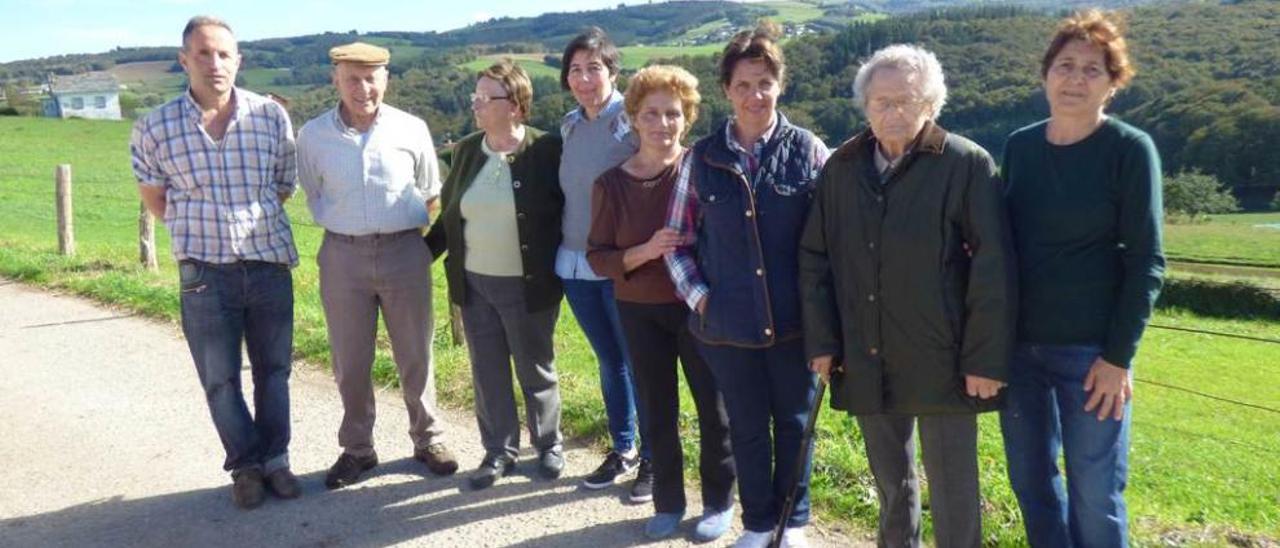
x,y
224,305
1045,416
597,313
762,386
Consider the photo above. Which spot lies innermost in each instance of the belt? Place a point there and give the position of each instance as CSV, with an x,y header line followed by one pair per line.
x,y
373,238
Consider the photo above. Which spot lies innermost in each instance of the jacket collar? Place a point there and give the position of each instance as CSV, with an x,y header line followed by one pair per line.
x,y
719,152
931,140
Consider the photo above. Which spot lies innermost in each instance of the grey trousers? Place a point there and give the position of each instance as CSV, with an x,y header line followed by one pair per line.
x,y
950,444
500,330
360,275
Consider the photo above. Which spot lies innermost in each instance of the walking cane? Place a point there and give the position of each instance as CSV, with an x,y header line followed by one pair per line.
x,y
805,441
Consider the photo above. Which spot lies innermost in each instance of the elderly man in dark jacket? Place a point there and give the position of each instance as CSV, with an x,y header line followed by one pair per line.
x,y
906,275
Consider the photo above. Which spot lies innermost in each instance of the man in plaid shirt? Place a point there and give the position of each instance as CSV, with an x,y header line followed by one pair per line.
x,y
217,164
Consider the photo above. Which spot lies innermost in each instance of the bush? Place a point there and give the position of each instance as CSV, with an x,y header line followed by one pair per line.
x,y
1194,194
1275,201
1220,299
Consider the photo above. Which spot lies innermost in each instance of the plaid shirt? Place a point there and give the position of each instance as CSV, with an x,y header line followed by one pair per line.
x,y
222,200
682,214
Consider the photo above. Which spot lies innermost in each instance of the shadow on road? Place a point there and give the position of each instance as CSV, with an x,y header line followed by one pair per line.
x,y
369,515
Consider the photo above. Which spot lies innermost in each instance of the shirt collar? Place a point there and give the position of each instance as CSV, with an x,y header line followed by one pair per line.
x,y
579,115
732,138
342,126
195,112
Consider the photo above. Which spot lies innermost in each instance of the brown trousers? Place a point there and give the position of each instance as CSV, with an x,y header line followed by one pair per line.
x,y
360,275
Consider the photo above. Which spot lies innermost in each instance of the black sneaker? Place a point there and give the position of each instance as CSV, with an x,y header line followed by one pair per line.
x,y
642,487
491,468
348,469
613,467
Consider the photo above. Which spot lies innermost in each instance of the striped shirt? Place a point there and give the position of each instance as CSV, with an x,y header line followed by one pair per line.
x,y
376,182
682,214
222,199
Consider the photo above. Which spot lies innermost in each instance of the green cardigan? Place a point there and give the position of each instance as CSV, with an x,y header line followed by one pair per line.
x,y
535,176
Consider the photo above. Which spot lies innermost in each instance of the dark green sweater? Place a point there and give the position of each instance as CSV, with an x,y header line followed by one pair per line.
x,y
1086,222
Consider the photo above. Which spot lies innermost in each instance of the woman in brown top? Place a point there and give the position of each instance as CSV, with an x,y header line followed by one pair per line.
x,y
626,243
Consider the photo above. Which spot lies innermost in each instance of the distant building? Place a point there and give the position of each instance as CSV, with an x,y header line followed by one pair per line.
x,y
94,95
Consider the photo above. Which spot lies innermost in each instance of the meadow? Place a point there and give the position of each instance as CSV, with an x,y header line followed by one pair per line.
x,y
1203,470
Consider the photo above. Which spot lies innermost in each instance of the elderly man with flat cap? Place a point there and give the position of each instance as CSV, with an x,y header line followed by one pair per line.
x,y
369,171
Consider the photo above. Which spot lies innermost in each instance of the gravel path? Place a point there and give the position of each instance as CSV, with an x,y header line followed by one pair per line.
x,y
105,441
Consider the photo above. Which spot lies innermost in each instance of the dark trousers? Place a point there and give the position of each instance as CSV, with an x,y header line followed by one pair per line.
x,y
501,332
950,445
763,386
223,307
656,335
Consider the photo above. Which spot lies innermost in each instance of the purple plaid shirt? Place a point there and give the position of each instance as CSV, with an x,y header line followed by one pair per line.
x,y
222,199
682,215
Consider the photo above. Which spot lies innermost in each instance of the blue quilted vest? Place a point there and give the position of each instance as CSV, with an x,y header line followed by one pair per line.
x,y
748,237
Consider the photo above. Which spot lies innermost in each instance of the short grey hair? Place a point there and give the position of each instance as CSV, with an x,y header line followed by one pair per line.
x,y
202,21
922,68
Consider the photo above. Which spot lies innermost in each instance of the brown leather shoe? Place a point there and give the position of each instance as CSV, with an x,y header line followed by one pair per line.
x,y
438,459
246,489
283,484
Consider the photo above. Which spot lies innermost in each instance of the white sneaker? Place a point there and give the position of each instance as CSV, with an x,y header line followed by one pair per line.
x,y
753,539
793,537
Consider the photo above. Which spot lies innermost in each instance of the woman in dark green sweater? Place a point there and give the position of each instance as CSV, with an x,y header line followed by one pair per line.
x,y
1084,200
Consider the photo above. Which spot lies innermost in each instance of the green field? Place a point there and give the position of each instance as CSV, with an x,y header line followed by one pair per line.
x,y
636,57
1203,471
793,12
1237,239
531,63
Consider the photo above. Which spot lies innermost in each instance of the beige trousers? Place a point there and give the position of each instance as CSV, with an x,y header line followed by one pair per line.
x,y
360,276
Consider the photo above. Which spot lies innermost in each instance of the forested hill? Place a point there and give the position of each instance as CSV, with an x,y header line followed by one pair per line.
x,y
1208,84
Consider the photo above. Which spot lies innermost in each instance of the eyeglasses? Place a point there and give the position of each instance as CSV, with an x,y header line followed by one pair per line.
x,y
480,98
881,105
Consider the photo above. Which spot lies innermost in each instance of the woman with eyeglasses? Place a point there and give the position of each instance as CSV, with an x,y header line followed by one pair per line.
x,y
500,225
906,273
1085,203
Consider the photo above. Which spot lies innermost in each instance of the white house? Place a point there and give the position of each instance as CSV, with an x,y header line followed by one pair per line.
x,y
94,95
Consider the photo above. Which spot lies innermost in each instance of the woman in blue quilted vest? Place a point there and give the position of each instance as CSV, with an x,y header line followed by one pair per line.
x,y
740,205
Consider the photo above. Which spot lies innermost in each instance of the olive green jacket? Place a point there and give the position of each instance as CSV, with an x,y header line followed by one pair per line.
x,y
535,179
909,282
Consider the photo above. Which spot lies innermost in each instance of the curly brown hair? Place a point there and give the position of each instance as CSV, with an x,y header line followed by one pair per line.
x,y
672,79
1102,29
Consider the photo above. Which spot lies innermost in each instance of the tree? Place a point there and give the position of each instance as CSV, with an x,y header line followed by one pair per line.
x,y
1194,194
1275,201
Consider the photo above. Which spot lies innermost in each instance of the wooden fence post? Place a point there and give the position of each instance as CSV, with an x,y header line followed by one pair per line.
x,y
147,239
66,230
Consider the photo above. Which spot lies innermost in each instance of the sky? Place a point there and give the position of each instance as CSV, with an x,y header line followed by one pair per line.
x,y
41,28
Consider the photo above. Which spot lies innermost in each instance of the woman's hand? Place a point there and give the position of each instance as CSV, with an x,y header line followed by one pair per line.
x,y
982,387
663,241
1109,389
823,366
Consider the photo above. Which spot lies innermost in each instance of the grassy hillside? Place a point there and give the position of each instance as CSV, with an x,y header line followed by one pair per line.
x,y
1203,471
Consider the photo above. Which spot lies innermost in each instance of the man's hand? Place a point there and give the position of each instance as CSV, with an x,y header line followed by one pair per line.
x,y
702,305
982,387
823,366
1109,389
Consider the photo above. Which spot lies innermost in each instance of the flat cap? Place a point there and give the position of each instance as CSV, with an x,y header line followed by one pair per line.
x,y
359,53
